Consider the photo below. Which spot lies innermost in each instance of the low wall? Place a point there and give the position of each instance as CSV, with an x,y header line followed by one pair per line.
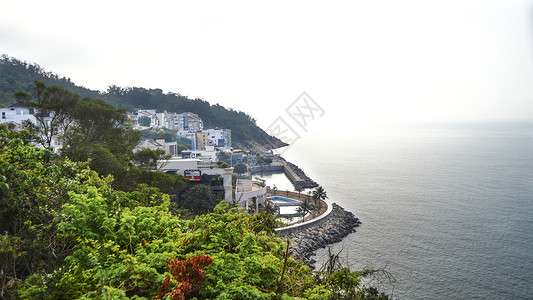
x,y
283,231
266,168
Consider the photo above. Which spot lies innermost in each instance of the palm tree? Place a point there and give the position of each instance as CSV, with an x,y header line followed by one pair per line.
x,y
299,189
270,208
260,181
304,208
275,189
319,194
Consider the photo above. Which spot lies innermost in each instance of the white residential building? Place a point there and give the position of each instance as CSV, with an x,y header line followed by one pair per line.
x,y
151,114
209,155
16,113
160,120
220,137
169,147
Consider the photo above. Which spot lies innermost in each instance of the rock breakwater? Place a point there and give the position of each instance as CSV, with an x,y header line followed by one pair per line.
x,y
303,244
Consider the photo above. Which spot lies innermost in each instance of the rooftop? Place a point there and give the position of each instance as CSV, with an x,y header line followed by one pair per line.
x,y
246,185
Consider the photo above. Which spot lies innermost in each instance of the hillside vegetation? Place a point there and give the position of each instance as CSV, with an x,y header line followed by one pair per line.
x,y
16,75
68,234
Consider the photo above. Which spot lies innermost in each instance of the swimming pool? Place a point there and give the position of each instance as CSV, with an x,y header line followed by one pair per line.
x,y
278,200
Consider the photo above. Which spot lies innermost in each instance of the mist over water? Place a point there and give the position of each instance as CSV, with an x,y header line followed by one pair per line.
x,y
447,210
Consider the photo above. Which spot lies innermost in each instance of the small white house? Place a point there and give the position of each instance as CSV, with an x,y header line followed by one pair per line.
x,y
178,165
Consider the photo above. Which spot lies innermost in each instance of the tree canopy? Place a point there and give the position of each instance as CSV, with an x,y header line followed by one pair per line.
x,y
240,168
199,199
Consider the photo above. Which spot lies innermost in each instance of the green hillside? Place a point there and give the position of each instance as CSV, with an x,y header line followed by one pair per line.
x,y
16,75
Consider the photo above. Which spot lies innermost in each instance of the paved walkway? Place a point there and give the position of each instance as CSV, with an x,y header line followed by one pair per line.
x,y
296,196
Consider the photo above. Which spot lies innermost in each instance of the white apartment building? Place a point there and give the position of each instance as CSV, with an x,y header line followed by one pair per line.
x,y
220,137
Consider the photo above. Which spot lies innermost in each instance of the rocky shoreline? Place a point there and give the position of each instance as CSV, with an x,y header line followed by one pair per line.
x,y
303,244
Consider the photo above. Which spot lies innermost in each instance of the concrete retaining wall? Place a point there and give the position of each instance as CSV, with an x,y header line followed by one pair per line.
x,y
267,168
283,231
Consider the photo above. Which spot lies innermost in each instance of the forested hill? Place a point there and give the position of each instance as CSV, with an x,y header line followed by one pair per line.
x,y
16,75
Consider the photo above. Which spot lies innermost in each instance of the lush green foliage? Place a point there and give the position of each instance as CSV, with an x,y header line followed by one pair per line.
x,y
162,134
319,194
32,192
53,106
148,158
264,160
222,164
240,168
199,199
100,133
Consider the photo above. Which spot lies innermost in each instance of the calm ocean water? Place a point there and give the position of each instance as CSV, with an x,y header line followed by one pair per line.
x,y
447,211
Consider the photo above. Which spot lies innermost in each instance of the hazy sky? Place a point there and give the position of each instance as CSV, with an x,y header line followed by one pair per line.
x,y
361,61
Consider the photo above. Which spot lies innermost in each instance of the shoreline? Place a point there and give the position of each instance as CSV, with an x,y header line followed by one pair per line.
x,y
340,223
303,244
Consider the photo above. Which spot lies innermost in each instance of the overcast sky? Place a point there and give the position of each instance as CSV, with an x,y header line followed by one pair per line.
x,y
361,61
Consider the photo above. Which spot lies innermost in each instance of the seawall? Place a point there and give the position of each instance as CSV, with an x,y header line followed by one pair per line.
x,y
273,167
303,243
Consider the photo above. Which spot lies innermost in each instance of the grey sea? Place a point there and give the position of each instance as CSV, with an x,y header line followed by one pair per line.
x,y
448,211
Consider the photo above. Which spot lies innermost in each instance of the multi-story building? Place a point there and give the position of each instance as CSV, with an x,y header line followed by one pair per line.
x,y
220,137
148,114
160,120
202,140
192,122
133,119
186,121
173,121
